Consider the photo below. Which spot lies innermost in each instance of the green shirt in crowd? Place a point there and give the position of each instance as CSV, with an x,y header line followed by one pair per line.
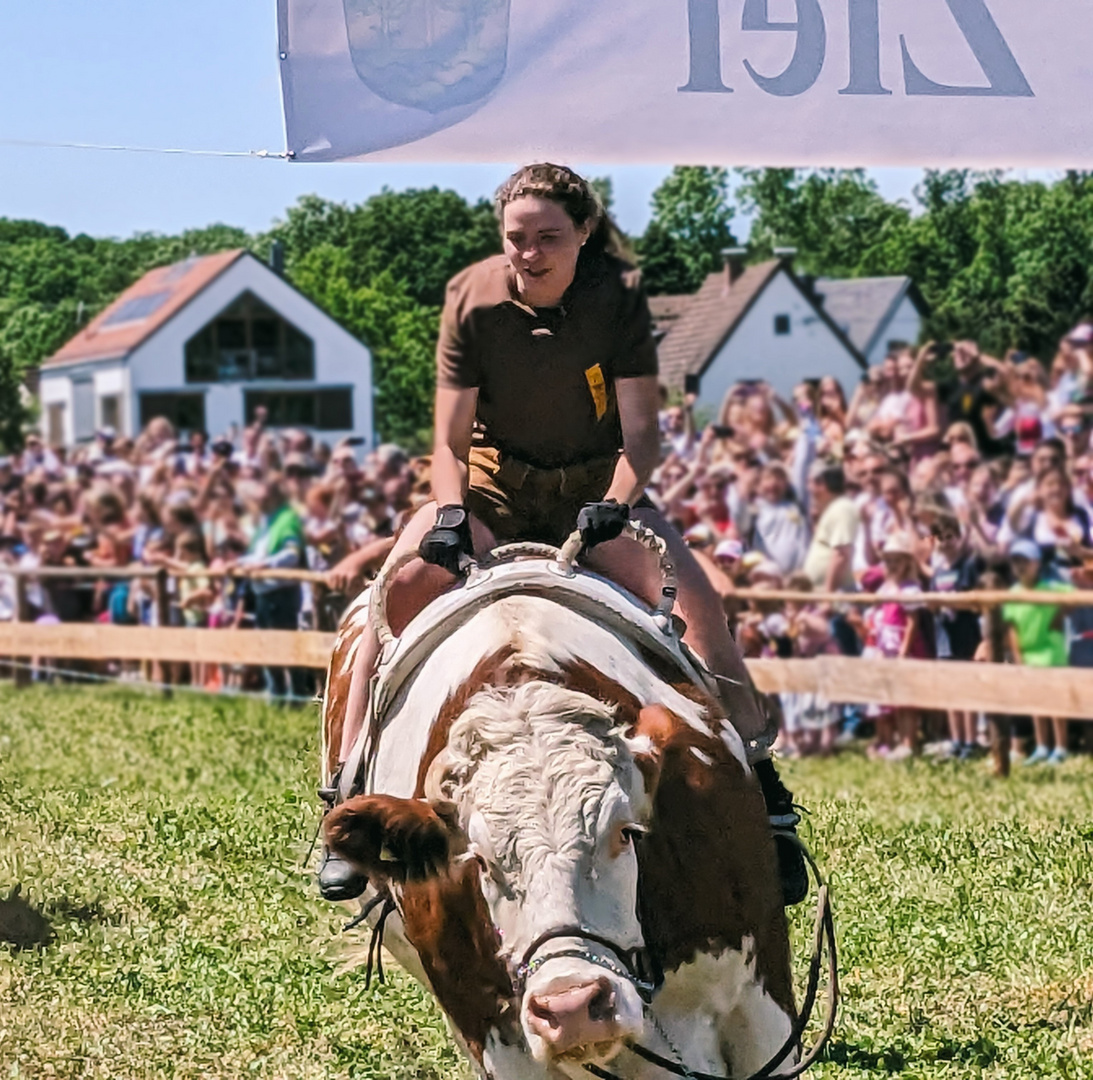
x,y
1041,642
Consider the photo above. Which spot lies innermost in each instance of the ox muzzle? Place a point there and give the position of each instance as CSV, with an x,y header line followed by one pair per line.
x,y
582,997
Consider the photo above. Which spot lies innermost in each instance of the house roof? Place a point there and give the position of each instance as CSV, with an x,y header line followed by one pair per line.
x,y
142,309
667,310
863,307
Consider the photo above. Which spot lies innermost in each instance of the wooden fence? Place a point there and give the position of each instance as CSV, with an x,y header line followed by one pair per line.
x,y
998,689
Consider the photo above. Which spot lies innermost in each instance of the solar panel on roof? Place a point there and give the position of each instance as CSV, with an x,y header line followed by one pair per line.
x,y
140,307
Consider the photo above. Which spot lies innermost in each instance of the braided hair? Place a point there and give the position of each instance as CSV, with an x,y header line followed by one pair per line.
x,y
576,196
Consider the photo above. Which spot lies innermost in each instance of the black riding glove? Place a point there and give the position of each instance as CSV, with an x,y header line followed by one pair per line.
x,y
599,522
448,540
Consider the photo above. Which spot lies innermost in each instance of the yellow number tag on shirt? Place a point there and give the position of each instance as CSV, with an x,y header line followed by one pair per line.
x,y
598,387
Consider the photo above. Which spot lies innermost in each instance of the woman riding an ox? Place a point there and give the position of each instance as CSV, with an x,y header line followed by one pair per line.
x,y
546,420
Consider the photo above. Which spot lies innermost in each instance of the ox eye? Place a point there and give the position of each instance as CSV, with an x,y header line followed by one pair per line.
x,y
631,834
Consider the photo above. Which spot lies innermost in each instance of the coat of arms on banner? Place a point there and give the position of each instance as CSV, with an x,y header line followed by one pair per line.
x,y
429,54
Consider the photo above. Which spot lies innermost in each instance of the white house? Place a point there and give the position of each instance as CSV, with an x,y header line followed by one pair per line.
x,y
756,322
876,314
204,343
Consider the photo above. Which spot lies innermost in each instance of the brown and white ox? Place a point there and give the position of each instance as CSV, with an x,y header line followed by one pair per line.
x,y
546,802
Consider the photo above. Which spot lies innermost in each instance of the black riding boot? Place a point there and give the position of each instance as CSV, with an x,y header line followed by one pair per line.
x,y
783,820
338,880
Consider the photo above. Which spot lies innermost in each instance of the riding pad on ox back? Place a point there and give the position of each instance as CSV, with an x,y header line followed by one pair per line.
x,y
653,635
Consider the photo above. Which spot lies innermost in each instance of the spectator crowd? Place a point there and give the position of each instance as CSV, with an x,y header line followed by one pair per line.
x,y
944,470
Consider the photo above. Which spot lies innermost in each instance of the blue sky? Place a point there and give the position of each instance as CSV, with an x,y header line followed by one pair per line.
x,y
200,74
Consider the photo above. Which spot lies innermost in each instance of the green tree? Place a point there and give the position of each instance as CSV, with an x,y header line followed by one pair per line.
x,y
422,238
400,332
835,218
690,226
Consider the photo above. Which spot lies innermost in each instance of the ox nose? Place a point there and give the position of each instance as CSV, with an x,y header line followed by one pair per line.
x,y
575,1017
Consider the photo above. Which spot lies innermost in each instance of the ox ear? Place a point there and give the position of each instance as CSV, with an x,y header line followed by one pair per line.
x,y
394,839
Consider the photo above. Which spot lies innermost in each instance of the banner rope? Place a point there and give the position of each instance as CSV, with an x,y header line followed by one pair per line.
x,y
284,155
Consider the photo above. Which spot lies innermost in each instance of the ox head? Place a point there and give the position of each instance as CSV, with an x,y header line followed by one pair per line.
x,y
542,795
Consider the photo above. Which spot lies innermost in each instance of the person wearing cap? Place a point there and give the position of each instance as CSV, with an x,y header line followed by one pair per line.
x,y
1036,638
546,422
895,630
1074,385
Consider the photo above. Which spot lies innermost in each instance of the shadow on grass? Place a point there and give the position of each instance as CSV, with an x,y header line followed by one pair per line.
x,y
21,924
979,1052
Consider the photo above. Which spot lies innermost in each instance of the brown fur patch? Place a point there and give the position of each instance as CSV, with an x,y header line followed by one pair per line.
x,y
335,698
489,671
447,921
708,871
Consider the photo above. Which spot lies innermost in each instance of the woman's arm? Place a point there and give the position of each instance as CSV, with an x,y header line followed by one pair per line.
x,y
908,634
454,420
637,399
931,428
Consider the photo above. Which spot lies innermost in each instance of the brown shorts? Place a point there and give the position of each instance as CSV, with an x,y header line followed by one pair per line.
x,y
517,501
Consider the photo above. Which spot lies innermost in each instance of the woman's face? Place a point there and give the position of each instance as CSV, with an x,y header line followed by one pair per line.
x,y
891,491
542,243
904,365
772,486
759,414
1054,492
1027,571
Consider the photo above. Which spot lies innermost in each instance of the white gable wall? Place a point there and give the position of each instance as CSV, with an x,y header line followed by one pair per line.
x,y
904,325
158,365
107,377
810,349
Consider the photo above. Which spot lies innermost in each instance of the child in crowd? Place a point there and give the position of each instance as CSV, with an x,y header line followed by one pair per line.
x,y
811,721
1036,639
895,630
955,567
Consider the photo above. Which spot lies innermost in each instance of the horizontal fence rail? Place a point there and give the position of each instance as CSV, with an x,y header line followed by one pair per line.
x,y
979,600
1002,689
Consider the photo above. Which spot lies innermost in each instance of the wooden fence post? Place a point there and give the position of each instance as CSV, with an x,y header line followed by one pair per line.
x,y
20,674
1001,727
163,618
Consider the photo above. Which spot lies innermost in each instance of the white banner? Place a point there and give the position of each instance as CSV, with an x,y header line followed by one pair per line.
x,y
759,82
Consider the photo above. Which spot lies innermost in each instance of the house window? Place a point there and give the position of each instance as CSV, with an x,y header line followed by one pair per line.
x,y
110,411
185,411
249,340
781,324
83,409
329,409
55,423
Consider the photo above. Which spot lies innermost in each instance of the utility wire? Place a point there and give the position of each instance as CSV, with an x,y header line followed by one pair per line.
x,y
286,155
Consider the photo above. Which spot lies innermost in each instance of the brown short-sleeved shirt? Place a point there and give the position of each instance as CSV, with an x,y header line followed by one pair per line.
x,y
546,378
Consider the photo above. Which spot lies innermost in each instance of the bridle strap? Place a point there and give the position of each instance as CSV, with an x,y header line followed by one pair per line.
x,y
824,934
637,964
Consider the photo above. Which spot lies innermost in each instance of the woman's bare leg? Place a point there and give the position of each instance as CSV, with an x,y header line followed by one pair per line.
x,y
1061,726
1041,725
634,568
416,586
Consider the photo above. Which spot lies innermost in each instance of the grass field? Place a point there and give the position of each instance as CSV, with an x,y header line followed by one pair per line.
x,y
163,841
